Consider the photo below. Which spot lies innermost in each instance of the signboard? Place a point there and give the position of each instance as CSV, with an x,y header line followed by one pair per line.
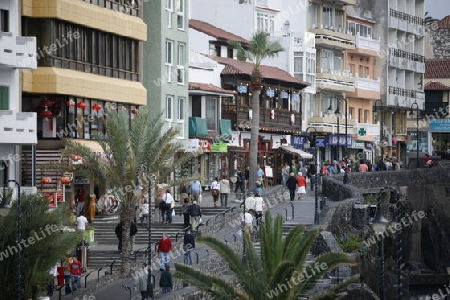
x,y
81,181
192,145
442,125
297,141
242,89
333,140
68,174
268,172
321,141
358,145
221,147
270,93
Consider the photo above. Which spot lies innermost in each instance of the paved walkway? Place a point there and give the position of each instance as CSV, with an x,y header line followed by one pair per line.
x,y
301,211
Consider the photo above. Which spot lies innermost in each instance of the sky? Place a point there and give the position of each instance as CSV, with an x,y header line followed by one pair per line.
x,y
437,9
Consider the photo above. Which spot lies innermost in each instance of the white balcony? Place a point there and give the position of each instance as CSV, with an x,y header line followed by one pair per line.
x,y
370,129
17,51
18,127
367,43
367,84
420,67
393,62
393,22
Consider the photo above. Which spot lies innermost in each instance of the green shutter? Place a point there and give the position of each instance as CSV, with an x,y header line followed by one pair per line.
x,y
4,98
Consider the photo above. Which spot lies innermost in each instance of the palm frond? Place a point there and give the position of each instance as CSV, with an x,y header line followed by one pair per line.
x,y
332,293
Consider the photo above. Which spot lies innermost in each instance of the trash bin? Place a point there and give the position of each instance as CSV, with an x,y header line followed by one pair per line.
x,y
82,253
89,235
60,276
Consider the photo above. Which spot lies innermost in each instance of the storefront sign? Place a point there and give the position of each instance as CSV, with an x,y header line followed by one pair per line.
x,y
221,147
368,145
81,181
358,145
297,141
205,144
192,145
321,141
333,140
439,125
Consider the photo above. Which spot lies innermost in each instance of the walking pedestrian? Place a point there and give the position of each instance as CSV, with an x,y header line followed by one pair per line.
x,y
312,175
188,245
215,187
82,222
133,231
79,200
185,211
140,281
165,281
67,274
240,182
301,186
164,247
291,184
224,191
75,273
247,221
196,214
144,214
285,171
258,208
196,190
170,205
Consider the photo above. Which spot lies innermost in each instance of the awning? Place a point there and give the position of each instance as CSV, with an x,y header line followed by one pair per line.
x,y
298,152
197,127
225,129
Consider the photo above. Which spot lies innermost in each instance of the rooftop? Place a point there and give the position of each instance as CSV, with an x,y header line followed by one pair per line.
x,y
437,68
213,31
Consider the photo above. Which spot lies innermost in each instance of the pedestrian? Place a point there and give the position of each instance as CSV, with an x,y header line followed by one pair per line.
x,y
380,166
312,175
294,167
196,190
165,281
215,187
133,231
67,274
240,184
188,245
301,186
82,222
258,208
247,221
363,167
258,188
169,204
185,211
75,274
260,175
162,207
144,214
164,247
247,177
140,281
291,184
79,200
195,213
224,191
285,171
303,170
184,191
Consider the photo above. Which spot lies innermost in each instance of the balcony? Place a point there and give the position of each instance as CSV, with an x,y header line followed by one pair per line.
x,y
328,124
406,60
406,22
366,88
405,98
368,129
17,51
367,45
281,122
335,80
331,37
18,128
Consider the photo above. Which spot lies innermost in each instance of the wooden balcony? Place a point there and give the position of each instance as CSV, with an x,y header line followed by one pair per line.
x,y
281,122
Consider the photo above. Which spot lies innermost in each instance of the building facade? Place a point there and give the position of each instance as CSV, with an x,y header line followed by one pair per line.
x,y
85,64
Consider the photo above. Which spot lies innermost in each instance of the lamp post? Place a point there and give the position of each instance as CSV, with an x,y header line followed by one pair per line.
x,y
411,113
312,139
337,113
379,224
378,108
233,179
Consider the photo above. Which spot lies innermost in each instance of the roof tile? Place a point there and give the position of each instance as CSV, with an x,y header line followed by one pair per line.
x,y
208,87
213,31
436,86
437,68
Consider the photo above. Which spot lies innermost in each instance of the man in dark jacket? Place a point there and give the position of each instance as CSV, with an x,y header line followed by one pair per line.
x,y
312,172
196,214
133,231
188,245
291,184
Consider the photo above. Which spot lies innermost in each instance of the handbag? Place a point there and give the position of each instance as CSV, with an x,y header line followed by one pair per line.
x,y
214,192
173,212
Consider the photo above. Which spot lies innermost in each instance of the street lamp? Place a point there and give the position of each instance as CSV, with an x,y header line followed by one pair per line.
x,y
379,224
411,113
233,179
338,113
312,140
376,109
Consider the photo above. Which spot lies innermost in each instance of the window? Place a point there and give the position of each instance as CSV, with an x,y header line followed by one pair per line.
x,y
211,113
351,69
4,20
181,13
169,59
169,9
360,111
4,98
359,29
265,22
298,65
181,72
328,16
169,110
312,15
311,68
180,118
366,116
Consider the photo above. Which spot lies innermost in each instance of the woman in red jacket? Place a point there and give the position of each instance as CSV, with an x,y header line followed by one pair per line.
x,y
164,247
301,186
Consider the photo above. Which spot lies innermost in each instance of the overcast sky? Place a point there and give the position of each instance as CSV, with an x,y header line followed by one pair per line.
x,y
438,9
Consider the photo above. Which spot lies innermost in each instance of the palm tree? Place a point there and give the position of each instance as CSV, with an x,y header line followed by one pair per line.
x,y
281,261
42,246
132,155
260,47
429,19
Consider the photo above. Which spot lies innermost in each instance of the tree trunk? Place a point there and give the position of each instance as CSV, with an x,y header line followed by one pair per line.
x,y
126,215
255,79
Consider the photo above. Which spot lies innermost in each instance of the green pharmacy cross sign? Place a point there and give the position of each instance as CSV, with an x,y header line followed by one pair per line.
x,y
362,132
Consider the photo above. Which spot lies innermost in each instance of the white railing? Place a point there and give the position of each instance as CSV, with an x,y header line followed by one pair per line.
x,y
18,127
17,51
367,43
370,129
367,84
343,73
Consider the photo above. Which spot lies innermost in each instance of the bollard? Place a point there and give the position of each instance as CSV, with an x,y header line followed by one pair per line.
x,y
323,202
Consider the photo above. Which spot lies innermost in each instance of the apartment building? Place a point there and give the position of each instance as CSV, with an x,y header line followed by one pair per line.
x,y
17,128
400,26
89,57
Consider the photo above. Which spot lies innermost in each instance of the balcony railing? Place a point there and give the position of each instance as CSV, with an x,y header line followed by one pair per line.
x,y
367,84
406,60
333,36
367,43
17,51
406,22
328,123
405,98
18,127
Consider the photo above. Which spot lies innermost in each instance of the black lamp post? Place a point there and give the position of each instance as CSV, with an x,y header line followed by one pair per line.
x,y
338,113
411,113
379,108
379,224
312,140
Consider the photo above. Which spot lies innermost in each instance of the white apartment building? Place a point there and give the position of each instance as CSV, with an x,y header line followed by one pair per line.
x,y
16,128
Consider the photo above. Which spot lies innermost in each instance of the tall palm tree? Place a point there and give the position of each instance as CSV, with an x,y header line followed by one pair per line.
x,y
429,19
282,261
260,47
131,155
